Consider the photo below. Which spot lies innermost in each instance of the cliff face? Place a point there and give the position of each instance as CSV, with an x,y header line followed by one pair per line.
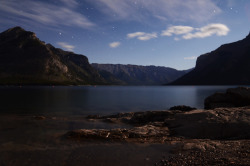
x,y
139,75
27,60
227,65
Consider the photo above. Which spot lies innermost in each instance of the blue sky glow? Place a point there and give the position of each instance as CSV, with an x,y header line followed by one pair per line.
x,y
170,33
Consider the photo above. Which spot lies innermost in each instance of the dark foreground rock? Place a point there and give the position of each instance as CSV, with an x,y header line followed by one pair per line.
x,y
220,123
234,97
206,153
182,108
147,133
218,136
163,141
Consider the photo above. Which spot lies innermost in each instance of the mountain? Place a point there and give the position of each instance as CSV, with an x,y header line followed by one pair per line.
x,y
227,65
24,59
138,75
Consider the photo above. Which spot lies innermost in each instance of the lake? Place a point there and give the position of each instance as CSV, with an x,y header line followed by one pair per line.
x,y
84,100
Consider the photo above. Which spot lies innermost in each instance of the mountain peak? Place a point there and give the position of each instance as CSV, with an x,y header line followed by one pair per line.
x,y
27,60
17,31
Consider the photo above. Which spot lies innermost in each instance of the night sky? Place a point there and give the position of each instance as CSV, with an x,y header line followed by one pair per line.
x,y
170,33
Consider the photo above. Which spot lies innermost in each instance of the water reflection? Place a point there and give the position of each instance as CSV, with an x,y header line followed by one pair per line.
x,y
83,100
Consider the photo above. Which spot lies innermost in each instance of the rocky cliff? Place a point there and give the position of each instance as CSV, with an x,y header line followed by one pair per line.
x,y
227,65
27,60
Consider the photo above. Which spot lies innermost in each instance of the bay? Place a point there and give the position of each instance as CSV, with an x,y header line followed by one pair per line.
x,y
85,100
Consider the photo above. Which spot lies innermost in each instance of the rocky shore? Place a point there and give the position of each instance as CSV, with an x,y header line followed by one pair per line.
x,y
218,136
181,135
159,126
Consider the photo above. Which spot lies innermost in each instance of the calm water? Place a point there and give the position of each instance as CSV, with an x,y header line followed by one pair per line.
x,y
84,100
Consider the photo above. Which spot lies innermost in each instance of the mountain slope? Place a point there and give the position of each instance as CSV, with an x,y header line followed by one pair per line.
x,y
27,60
227,65
139,75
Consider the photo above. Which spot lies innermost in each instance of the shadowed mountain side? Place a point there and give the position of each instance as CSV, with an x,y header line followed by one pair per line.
x,y
227,65
27,60
138,75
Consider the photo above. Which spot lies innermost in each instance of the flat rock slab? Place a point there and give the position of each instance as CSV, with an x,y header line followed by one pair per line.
x,y
220,123
147,133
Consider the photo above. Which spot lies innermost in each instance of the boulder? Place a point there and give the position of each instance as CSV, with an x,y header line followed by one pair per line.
x,y
234,97
182,108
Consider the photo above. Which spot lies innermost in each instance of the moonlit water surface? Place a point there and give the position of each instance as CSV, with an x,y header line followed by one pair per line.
x,y
83,100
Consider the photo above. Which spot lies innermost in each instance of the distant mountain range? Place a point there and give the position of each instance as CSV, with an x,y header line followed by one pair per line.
x,y
138,75
227,65
25,60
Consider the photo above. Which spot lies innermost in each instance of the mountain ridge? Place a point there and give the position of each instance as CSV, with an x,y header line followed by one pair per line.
x,y
140,75
27,60
226,65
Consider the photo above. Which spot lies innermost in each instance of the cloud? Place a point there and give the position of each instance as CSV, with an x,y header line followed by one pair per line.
x,y
114,44
161,17
142,35
135,34
190,58
66,46
177,30
209,30
61,14
176,10
187,32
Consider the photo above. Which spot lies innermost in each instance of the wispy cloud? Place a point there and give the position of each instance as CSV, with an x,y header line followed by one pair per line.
x,y
66,46
48,14
161,17
135,34
177,30
114,44
187,32
191,58
177,10
142,35
209,30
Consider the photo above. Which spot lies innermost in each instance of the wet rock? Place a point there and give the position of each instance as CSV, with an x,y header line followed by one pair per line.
x,y
182,108
147,133
219,123
136,118
234,97
150,116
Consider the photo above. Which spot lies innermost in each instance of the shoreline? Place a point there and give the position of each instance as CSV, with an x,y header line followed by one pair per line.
x,y
134,138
